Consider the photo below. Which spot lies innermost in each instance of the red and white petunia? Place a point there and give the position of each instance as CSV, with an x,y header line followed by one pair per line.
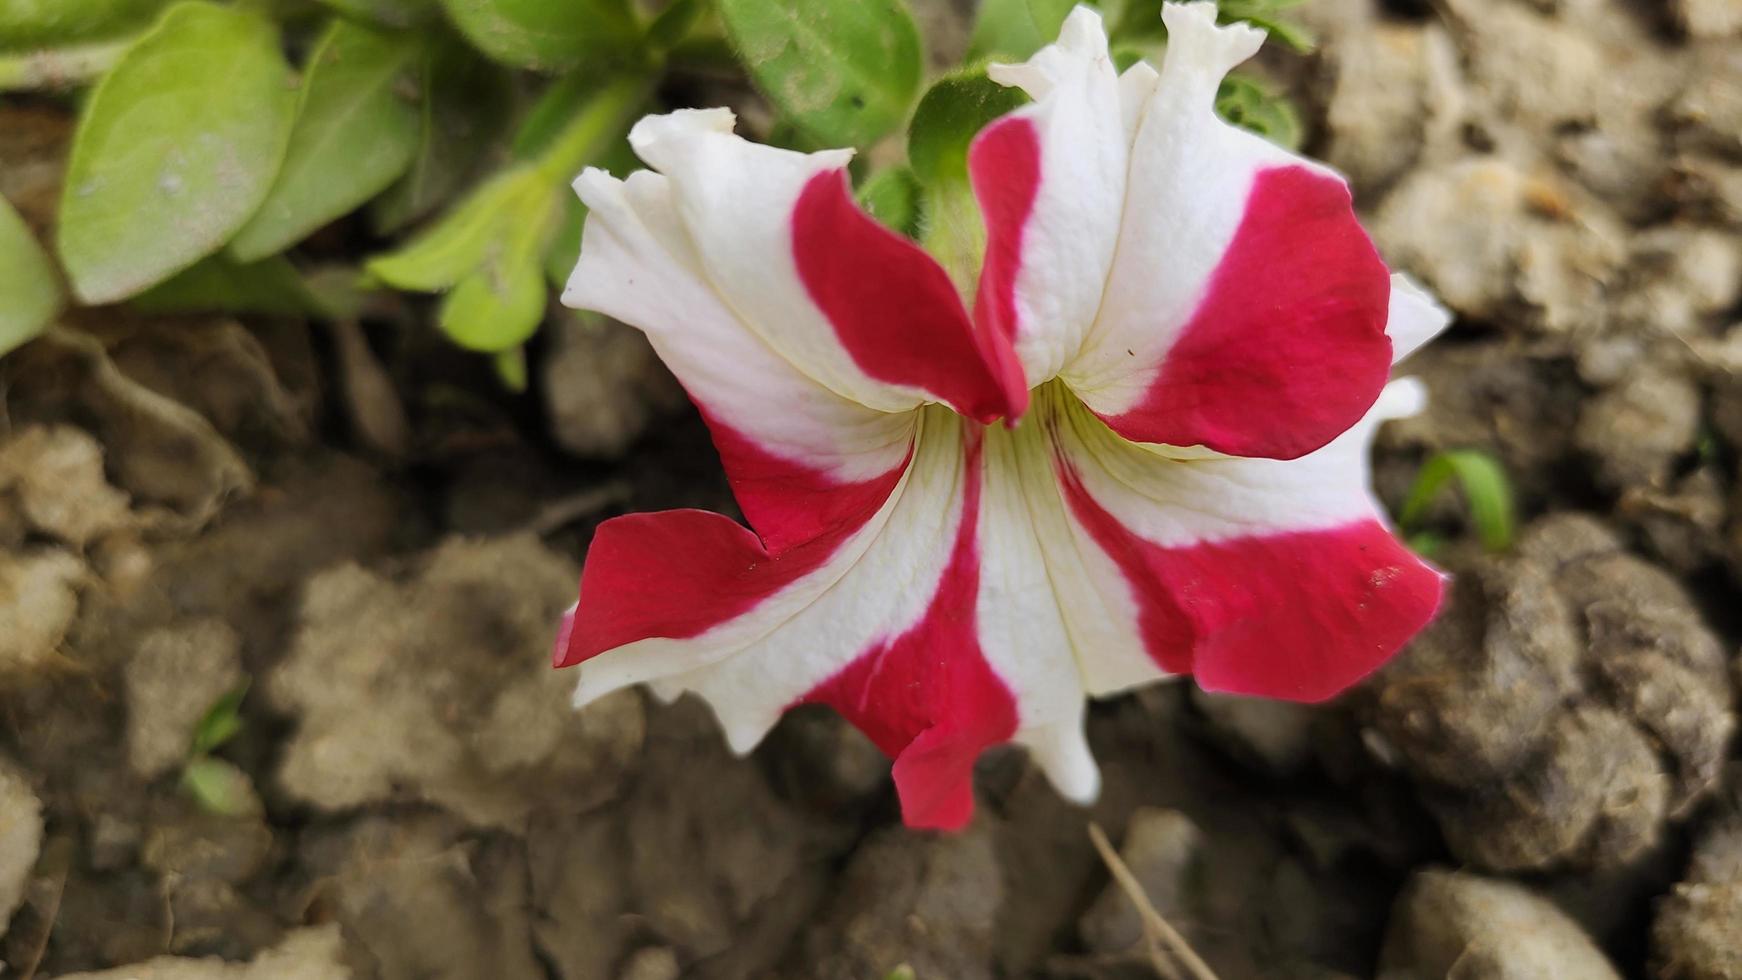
x,y
1141,454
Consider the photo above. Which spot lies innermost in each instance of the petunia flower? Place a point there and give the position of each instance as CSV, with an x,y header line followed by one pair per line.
x,y
1141,454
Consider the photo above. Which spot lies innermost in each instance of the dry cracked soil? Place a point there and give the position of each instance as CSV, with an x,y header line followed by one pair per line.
x,y
373,539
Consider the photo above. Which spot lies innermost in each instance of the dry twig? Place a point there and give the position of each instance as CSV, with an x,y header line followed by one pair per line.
x,y
1166,946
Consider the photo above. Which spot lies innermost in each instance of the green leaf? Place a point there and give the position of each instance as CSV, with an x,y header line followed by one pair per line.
x,y
1137,21
1006,31
952,112
704,54
222,285
439,257
500,304
1246,104
356,132
1267,15
549,35
339,292
1013,30
1486,490
43,23
220,723
1126,55
466,104
845,72
399,14
510,368
218,787
555,107
176,148
580,122
1049,16
1426,543
28,283
893,196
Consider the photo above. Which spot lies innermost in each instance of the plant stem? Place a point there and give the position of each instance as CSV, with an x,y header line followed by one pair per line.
x,y
59,68
599,122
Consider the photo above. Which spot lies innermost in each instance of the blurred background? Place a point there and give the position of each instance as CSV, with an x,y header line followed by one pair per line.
x,y
299,459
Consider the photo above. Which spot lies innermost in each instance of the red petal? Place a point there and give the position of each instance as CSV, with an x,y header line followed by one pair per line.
x,y
1287,349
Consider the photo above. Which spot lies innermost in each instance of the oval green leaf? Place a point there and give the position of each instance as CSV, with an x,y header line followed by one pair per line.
x,y
176,148
356,132
952,112
30,295
500,304
1007,30
844,72
548,35
41,23
220,285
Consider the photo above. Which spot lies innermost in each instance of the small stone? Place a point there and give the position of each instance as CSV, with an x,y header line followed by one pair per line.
x,y
1596,797
1698,931
1638,429
172,681
56,475
20,839
1448,924
43,589
1496,243
201,845
1465,712
1376,116
1679,280
1569,705
652,963
1164,850
438,687
1709,18
1526,67
423,898
928,902
603,386
1708,113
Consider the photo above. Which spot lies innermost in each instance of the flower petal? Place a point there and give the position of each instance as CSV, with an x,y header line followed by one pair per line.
x,y
1265,577
802,459
878,623
1050,179
1415,317
858,308
1245,308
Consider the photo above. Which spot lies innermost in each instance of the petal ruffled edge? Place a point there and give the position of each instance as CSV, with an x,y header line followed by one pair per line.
x,y
1245,308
